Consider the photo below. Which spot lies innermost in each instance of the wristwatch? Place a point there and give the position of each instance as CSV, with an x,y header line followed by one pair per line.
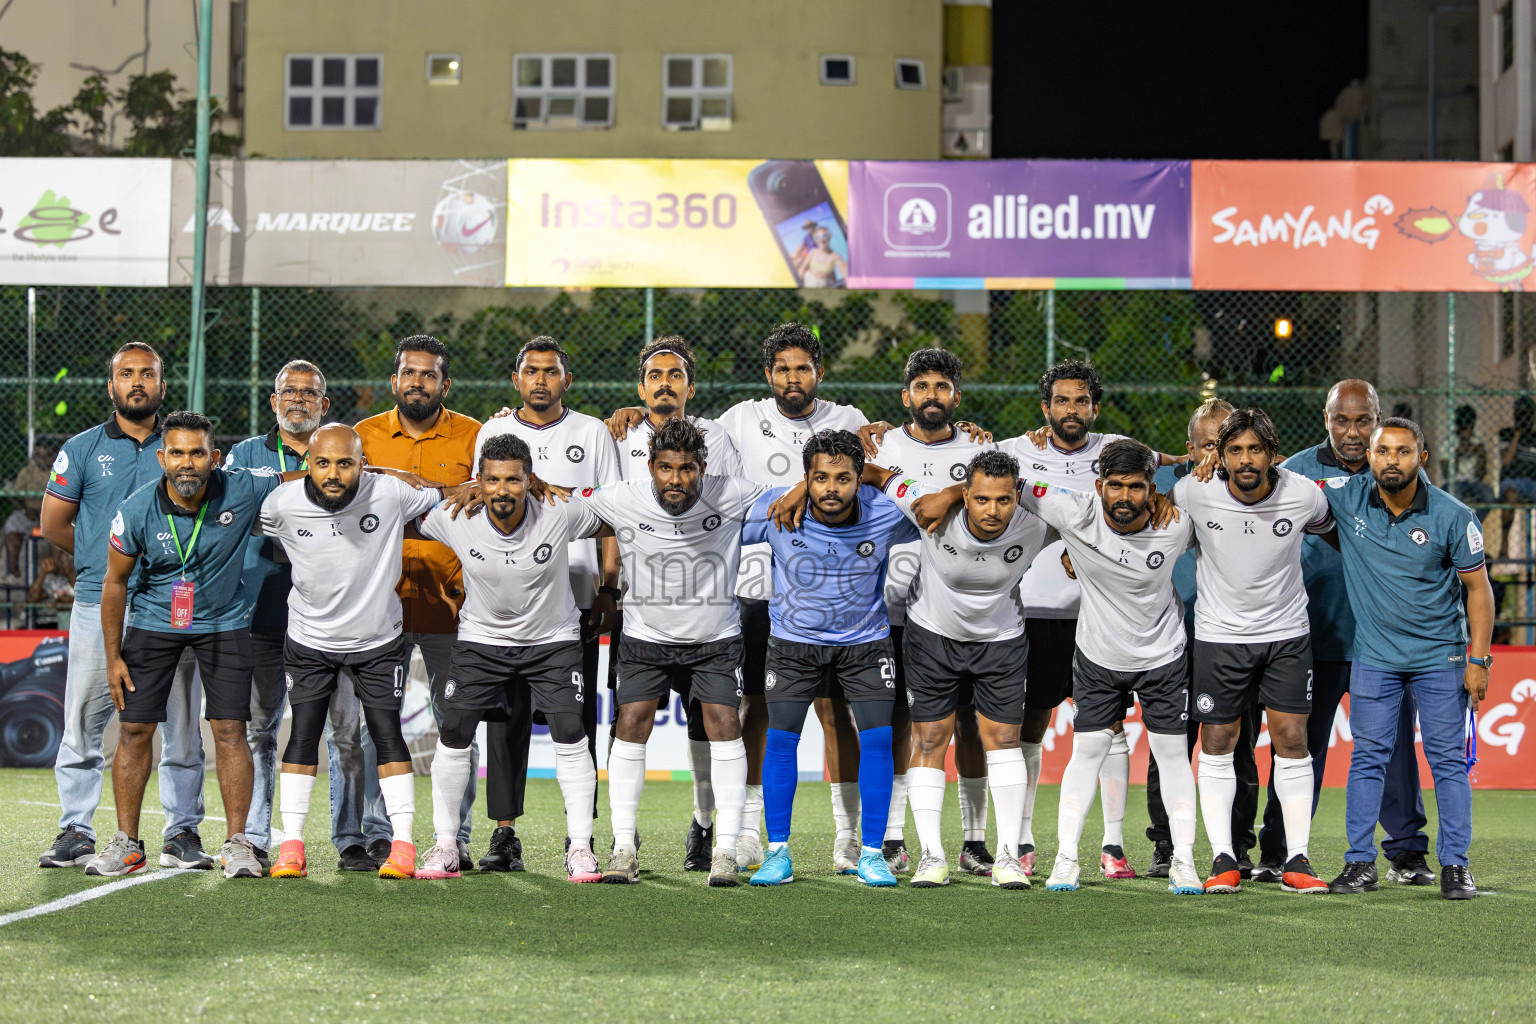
x,y
613,592
1486,661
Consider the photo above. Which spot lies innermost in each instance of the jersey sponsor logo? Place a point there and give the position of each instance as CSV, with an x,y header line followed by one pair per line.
x,y
449,688
61,461
1337,481
1154,560
957,472
903,487
865,548
1474,538
575,453
1248,525
950,549
226,517
636,453
476,555
305,533
767,427
1211,524
798,543
105,461
1205,703
647,527
587,492
1282,527
1418,536
118,526
542,552
711,522
1040,487
1013,554
369,523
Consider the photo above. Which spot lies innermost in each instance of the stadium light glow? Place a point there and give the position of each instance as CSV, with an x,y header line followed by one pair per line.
x,y
1283,327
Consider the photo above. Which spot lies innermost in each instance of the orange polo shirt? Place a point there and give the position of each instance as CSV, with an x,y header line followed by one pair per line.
x,y
431,583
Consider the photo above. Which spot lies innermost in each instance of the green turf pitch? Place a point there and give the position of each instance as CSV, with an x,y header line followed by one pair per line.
x,y
337,947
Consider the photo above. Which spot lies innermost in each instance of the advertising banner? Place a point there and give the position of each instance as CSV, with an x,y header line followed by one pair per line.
x,y
677,223
1002,224
33,663
345,222
84,222
1377,226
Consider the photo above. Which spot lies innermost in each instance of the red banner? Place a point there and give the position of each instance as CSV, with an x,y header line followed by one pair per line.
x,y
1378,226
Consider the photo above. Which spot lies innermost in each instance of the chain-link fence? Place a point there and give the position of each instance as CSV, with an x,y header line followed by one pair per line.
x,y
1448,361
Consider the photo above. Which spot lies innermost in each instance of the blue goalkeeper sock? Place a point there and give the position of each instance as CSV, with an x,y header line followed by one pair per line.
x,y
781,773
876,771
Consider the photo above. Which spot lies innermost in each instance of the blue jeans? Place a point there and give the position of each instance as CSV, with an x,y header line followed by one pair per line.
x,y
1376,695
87,712
269,693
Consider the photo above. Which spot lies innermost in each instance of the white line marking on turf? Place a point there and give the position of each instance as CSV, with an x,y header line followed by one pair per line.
x,y
105,807
75,899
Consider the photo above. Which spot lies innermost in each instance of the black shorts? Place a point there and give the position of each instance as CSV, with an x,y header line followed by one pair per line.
x,y
378,674
1230,677
755,626
488,677
942,672
708,673
1102,695
1052,643
801,672
223,661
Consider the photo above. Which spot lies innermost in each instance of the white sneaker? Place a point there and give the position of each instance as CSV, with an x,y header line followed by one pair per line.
x,y
1063,875
1184,880
749,851
845,855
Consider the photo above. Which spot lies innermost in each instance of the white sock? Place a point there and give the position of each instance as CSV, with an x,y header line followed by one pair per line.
x,y
1218,787
729,768
293,793
925,791
626,778
1031,788
1178,782
1114,780
1078,783
896,821
1293,788
845,808
752,812
577,776
1006,776
699,757
450,777
973,808
399,792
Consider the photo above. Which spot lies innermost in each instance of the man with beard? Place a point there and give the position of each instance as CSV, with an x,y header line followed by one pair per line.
x,y
1251,634
298,399
1409,548
92,475
420,436
570,449
176,551
341,530
679,537
1130,641
518,642
1350,416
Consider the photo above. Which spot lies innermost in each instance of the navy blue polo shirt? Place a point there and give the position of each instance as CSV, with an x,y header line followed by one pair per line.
x,y
1322,568
95,470
232,504
266,582
1401,572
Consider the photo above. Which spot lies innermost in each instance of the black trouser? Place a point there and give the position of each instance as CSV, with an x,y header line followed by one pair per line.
x,y
1245,804
509,737
1402,799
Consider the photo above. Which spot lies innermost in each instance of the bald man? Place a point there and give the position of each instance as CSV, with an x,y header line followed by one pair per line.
x,y
1352,413
341,529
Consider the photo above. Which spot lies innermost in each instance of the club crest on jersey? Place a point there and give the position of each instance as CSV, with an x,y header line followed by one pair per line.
x,y
369,523
226,517
768,680
449,688
1013,554
288,679
106,464
575,453
865,548
957,472
1205,703
1282,527
1154,560
711,522
542,552
1418,536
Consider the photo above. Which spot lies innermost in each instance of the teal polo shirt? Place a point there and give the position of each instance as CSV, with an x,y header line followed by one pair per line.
x,y
1322,568
267,581
231,505
1401,572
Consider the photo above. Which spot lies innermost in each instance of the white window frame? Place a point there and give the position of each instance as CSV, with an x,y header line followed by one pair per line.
x,y
318,92
580,92
853,69
922,73
698,92
458,70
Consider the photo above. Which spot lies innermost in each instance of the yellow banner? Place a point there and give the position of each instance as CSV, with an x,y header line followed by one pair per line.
x,y
677,223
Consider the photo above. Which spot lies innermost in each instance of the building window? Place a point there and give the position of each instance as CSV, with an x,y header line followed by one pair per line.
x,y
909,74
1506,36
562,90
333,92
836,69
443,68
696,91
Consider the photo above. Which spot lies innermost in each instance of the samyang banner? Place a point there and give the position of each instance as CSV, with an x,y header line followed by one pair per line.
x,y
1002,224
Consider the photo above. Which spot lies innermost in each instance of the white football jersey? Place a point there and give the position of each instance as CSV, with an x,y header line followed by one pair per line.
x,y
680,570
1131,618
575,451
1047,592
1248,581
967,588
346,564
770,445
517,586
635,450
934,466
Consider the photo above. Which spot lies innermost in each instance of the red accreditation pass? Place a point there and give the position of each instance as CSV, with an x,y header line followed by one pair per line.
x,y
181,604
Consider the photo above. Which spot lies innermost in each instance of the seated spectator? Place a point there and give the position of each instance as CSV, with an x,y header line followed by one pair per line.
x,y
1517,452
1469,475
54,588
27,503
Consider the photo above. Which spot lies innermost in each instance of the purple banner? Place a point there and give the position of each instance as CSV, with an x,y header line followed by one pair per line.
x,y
1019,224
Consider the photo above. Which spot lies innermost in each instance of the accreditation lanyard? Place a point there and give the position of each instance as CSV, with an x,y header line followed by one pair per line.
x,y
282,461
181,590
